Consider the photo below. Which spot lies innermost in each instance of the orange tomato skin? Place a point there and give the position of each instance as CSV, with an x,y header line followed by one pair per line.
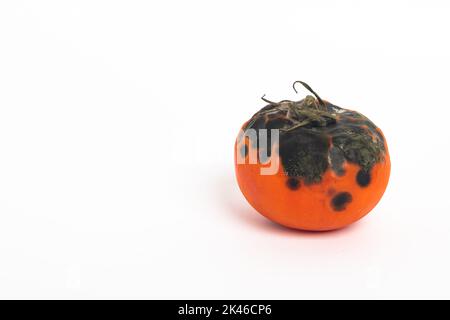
x,y
310,206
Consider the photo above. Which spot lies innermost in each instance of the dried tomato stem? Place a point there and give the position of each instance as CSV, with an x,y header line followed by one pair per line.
x,y
309,89
268,101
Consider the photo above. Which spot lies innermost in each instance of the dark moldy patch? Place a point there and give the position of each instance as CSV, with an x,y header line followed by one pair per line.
x,y
293,183
363,178
316,135
339,202
337,160
358,145
304,153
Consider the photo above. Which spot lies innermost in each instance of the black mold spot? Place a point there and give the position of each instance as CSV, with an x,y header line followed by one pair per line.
x,y
358,146
304,153
340,201
337,160
244,151
363,178
293,183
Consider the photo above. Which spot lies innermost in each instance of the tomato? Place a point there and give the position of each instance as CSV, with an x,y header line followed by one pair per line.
x,y
323,167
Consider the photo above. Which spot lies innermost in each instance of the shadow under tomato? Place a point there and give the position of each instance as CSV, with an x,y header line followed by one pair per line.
x,y
239,209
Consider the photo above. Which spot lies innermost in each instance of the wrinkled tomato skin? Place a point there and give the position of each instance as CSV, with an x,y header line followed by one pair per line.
x,y
311,206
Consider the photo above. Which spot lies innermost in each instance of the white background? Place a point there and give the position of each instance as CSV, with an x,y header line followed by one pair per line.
x,y
117,124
